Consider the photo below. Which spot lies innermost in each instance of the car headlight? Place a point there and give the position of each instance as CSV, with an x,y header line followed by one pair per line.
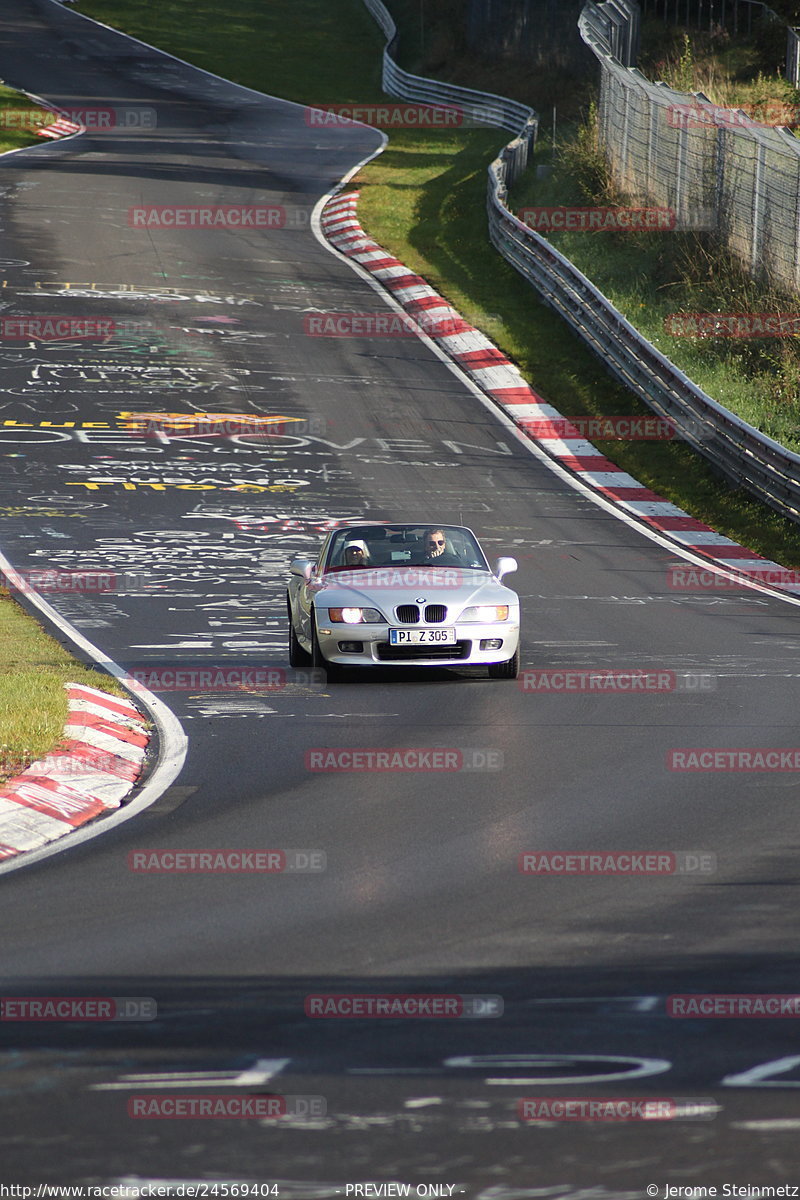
x,y
485,613
355,616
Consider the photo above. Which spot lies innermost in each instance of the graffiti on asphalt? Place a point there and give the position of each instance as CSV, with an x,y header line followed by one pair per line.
x,y
226,585
129,291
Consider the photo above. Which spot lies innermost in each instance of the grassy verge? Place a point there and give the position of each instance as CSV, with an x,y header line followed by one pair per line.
x,y
311,51
33,702
650,277
19,118
732,71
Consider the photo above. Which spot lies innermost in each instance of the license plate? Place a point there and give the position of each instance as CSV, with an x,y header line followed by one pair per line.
x,y
422,637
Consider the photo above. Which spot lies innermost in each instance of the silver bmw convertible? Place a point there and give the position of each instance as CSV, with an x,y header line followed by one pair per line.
x,y
402,595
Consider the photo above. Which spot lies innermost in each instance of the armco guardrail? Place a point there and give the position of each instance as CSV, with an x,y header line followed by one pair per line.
x,y
745,456
480,108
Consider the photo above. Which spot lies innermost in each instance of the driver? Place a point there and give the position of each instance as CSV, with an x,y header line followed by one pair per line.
x,y
436,550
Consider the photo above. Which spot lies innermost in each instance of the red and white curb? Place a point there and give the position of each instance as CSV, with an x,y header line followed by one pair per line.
x,y
498,378
60,128
88,773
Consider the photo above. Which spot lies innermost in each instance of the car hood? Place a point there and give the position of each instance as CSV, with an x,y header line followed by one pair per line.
x,y
386,587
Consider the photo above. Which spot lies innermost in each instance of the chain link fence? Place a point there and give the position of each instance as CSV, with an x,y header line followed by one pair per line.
x,y
718,168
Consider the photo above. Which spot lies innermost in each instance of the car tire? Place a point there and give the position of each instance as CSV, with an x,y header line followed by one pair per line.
x,y
298,657
317,659
505,670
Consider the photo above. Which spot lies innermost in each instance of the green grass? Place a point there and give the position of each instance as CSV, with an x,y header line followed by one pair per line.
x,y
311,51
19,117
730,71
33,702
649,276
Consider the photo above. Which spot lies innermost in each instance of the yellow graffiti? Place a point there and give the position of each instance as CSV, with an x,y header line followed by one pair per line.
x,y
178,421
24,510
134,422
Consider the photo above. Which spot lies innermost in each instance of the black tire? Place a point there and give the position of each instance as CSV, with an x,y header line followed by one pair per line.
x,y
317,659
505,670
298,657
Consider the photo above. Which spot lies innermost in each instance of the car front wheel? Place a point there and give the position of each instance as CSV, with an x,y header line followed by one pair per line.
x,y
298,657
317,659
505,670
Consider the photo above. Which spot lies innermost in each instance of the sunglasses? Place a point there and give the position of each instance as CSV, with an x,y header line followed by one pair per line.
x,y
435,542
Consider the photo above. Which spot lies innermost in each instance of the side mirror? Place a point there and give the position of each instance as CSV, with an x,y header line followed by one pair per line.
x,y
302,567
504,566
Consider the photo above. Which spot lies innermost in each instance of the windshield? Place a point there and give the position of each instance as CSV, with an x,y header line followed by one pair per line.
x,y
368,546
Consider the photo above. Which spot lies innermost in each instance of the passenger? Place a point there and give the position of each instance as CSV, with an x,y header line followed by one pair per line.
x,y
356,554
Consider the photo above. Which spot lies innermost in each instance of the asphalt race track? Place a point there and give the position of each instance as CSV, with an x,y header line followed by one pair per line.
x,y
421,891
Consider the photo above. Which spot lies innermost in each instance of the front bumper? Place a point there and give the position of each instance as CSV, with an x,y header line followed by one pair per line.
x,y
376,651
